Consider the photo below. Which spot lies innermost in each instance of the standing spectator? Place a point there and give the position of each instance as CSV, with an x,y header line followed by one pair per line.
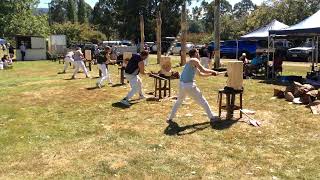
x,y
205,59
23,51
11,50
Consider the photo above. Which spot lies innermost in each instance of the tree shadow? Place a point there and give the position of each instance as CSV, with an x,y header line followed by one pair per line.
x,y
174,129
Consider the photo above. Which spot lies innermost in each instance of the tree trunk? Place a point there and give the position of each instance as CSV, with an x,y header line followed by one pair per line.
x,y
217,34
159,23
141,33
183,35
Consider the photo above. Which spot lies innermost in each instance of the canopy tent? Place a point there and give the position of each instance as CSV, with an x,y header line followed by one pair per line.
x,y
308,27
263,32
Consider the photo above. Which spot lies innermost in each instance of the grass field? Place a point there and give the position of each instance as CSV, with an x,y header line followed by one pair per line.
x,y
51,127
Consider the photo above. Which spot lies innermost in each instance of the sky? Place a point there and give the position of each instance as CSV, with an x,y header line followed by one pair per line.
x,y
44,3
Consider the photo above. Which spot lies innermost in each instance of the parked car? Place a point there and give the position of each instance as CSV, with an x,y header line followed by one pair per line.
x,y
229,48
301,53
165,45
177,48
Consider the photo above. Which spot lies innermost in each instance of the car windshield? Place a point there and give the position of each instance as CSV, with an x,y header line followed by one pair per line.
x,y
306,44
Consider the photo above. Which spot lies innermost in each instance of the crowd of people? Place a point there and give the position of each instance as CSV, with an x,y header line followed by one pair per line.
x,y
7,59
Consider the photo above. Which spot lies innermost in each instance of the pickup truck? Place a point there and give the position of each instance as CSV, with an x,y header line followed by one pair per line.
x,y
229,48
301,53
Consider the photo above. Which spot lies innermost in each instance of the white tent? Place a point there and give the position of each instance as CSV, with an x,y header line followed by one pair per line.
x,y
263,32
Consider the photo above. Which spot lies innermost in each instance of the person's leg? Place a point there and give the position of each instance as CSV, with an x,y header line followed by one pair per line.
x,y
76,69
103,70
66,64
108,75
134,84
181,97
83,67
141,94
195,93
22,55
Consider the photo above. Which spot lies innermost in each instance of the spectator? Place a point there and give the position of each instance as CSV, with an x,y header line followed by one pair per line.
x,y
205,59
23,51
6,62
11,50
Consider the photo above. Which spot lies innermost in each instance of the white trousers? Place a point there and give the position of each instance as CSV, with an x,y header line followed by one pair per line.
x,y
78,65
67,60
205,62
193,91
135,84
104,74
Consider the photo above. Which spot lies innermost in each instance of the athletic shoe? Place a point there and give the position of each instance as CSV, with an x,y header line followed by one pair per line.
x,y
98,85
215,119
125,102
141,97
169,121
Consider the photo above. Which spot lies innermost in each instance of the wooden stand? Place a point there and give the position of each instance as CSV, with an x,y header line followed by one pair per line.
x,y
230,102
161,86
121,70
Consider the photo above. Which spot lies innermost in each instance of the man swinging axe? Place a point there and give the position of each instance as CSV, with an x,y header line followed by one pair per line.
x,y
188,86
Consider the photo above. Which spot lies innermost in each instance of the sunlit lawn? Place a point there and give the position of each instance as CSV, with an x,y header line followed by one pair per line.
x,y
51,127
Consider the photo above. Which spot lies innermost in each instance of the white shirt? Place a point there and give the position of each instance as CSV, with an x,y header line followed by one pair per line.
x,y
70,54
23,48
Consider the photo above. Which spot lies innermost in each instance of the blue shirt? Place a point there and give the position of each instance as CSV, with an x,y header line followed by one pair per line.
x,y
188,73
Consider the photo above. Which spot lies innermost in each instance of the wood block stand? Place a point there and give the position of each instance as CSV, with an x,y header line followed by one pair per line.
x,y
230,102
162,86
121,70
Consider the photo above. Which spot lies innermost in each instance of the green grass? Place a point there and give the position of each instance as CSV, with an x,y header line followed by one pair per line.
x,y
56,128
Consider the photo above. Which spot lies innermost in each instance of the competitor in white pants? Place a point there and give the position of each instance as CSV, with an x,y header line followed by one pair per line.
x,y
78,62
103,58
133,68
68,59
188,86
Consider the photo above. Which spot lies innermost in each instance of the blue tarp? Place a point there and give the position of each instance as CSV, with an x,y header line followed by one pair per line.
x,y
263,32
2,41
309,26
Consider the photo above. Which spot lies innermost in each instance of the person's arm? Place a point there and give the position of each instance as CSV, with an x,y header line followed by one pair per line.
x,y
203,69
141,68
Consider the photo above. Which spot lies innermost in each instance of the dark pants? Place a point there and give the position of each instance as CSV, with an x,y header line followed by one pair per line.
x,y
23,54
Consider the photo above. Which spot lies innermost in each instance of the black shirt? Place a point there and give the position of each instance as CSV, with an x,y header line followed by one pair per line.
x,y
204,52
133,64
101,57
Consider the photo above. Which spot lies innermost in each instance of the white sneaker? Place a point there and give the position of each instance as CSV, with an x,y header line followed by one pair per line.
x,y
125,102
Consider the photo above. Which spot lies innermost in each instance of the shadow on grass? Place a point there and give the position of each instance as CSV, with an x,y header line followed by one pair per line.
x,y
224,124
123,106
275,82
118,85
174,128
92,88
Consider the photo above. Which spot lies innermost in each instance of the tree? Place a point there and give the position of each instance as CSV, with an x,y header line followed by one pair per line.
x,y
78,32
72,11
243,8
17,18
58,11
82,12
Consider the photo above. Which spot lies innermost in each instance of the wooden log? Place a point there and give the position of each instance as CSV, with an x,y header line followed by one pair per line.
x,y
235,75
166,66
126,57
